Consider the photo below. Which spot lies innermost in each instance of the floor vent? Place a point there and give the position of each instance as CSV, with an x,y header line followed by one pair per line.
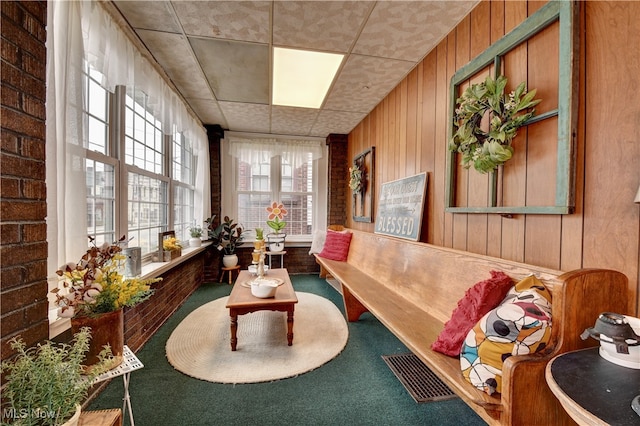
x,y
421,383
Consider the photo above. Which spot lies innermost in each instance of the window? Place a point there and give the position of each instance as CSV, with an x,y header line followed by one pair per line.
x,y
183,172
262,172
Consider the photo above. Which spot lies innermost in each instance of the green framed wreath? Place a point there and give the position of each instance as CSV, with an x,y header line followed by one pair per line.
x,y
487,149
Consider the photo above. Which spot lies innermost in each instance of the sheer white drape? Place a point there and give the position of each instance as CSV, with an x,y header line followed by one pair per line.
x,y
65,174
80,31
293,151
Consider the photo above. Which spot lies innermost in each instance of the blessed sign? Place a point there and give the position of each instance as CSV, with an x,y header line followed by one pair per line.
x,y
400,207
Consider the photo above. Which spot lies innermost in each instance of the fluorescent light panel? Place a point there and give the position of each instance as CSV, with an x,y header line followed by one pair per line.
x,y
301,78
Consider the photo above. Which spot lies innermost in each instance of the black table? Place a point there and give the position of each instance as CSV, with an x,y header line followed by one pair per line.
x,y
593,390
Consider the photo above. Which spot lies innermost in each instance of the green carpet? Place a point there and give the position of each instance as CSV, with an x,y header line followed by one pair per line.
x,y
356,388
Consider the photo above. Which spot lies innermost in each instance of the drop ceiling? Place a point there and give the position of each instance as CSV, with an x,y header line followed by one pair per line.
x,y
218,54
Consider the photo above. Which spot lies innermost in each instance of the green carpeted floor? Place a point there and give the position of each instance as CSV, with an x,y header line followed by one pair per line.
x,y
356,388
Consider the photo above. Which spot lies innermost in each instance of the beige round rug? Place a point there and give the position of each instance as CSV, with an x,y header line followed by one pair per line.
x,y
199,346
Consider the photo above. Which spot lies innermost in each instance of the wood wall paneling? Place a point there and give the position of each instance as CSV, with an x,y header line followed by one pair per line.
x,y
410,131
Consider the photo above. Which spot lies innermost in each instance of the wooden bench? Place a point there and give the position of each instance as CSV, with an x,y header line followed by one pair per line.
x,y
412,288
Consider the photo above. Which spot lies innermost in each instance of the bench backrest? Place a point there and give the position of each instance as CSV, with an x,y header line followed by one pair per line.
x,y
429,275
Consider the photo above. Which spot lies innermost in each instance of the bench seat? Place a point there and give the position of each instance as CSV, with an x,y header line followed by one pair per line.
x,y
412,289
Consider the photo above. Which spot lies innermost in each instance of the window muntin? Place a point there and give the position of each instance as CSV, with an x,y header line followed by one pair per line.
x,y
96,112
147,210
144,140
101,201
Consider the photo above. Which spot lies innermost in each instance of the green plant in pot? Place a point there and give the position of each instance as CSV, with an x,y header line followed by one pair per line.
x,y
226,236
196,234
275,221
486,121
46,384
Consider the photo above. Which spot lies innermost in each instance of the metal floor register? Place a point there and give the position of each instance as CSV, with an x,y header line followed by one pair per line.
x,y
421,383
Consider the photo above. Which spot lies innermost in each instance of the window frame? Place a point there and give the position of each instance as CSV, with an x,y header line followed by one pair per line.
x,y
229,196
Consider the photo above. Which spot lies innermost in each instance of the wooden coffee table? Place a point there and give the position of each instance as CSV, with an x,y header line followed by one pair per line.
x,y
241,301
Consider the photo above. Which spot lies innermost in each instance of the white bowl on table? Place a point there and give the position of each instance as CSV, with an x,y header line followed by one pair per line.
x,y
264,288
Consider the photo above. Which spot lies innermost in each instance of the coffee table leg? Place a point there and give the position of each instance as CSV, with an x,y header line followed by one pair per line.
x,y
234,331
290,327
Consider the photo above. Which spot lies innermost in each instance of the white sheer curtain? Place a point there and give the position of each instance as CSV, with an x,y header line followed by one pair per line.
x,y
66,191
79,31
293,151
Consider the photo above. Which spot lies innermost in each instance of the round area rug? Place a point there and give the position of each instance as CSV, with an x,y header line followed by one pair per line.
x,y
199,346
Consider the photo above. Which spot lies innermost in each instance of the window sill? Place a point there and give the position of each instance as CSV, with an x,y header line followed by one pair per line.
x,y
150,270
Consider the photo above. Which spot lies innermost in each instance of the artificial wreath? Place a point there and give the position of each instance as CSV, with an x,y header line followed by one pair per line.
x,y
486,150
356,178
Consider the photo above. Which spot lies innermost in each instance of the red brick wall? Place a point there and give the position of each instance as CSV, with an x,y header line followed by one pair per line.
x,y
338,171
142,321
23,246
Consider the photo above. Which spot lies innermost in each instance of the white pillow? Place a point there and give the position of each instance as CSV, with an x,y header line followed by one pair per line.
x,y
317,244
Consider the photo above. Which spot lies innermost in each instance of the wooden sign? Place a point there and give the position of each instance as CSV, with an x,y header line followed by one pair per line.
x,y
400,207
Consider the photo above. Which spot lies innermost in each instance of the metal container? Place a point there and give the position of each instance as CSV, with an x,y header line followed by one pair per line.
x,y
133,261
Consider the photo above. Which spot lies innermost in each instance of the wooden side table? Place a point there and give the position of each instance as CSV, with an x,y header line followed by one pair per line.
x,y
101,418
230,271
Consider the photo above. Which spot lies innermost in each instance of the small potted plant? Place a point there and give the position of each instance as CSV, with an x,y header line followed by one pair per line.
x,y
172,248
275,221
46,384
259,242
196,234
226,236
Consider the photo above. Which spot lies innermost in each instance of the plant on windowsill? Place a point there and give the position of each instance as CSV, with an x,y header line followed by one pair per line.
x,y
46,384
226,237
487,120
172,248
275,221
196,234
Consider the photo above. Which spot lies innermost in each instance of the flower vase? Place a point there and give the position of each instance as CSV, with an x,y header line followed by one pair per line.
x,y
106,329
195,242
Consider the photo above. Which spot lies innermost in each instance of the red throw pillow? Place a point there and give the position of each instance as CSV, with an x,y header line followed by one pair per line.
x,y
476,302
336,246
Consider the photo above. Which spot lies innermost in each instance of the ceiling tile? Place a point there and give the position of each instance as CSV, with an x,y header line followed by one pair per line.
x,y
336,122
158,17
292,121
173,53
208,111
231,20
364,81
247,117
236,71
402,29
324,25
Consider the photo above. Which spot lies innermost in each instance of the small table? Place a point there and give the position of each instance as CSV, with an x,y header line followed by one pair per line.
x,y
129,364
276,253
230,270
592,390
241,302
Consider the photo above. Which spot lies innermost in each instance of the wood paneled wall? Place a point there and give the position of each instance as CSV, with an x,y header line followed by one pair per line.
x,y
409,130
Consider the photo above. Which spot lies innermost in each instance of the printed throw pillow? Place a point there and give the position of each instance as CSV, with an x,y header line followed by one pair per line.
x,y
521,324
336,245
477,301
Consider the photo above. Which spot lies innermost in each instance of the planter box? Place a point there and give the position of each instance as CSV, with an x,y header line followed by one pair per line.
x,y
168,256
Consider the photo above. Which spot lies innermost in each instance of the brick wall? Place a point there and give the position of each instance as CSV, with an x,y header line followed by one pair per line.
x,y
23,246
142,321
338,169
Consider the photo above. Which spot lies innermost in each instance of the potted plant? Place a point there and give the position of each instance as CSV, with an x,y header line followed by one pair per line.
x,y
275,221
46,384
226,236
196,234
93,292
259,242
486,121
172,248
